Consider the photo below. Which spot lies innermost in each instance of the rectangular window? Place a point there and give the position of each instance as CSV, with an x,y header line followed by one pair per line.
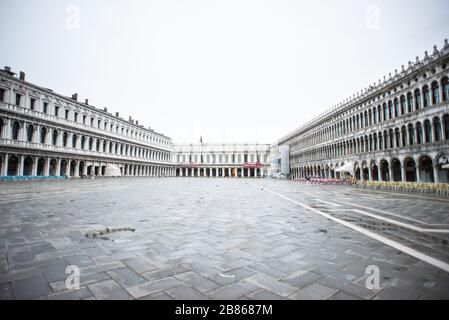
x,y
2,95
67,112
84,119
91,122
18,98
45,107
99,123
32,103
76,116
56,111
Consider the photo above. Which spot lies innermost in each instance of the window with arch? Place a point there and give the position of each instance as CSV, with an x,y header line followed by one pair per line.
x,y
74,140
435,93
91,143
403,105
438,131
426,94
64,139
397,135
43,135
446,126
409,102
411,135
427,131
375,115
445,84
404,136
385,117
418,99
15,130
83,142
54,137
419,133
30,133
2,124
390,110
396,108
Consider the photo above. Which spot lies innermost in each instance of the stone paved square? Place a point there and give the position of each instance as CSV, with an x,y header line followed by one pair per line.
x,y
205,238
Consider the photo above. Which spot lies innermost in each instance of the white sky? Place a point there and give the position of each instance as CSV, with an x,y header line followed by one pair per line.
x,y
231,71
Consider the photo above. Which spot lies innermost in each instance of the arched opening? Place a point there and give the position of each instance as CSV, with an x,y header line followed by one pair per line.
x,y
419,133
418,104
65,137
410,170
30,133
427,132
438,132
43,136
28,166
411,135
103,170
81,169
385,170
374,171
74,141
426,169
15,130
13,165
54,137
396,168
2,124
63,169
445,84
435,92
53,167
41,167
365,171
426,93
446,126
72,168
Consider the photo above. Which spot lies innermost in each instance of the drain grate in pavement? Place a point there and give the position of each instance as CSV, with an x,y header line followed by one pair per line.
x,y
102,233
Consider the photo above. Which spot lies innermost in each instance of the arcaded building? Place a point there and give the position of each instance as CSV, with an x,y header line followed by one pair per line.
x,y
43,133
395,130
222,160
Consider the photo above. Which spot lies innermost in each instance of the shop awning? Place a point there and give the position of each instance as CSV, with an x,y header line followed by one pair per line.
x,y
349,167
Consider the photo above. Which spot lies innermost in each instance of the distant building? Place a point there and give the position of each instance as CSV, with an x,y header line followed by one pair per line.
x,y
221,160
395,130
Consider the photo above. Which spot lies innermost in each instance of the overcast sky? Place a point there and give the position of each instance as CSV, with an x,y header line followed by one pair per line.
x,y
231,71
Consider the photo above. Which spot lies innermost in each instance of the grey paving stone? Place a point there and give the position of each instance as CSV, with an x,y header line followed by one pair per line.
x,y
79,294
126,277
80,261
108,290
185,293
154,286
233,291
197,281
30,288
55,272
6,291
396,294
264,295
314,291
303,279
271,284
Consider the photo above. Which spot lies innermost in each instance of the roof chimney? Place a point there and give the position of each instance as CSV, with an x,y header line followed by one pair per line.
x,y
22,76
75,96
130,119
137,122
117,114
105,109
86,101
7,68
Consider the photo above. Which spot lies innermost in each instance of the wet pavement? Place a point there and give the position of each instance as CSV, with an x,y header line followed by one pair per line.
x,y
194,238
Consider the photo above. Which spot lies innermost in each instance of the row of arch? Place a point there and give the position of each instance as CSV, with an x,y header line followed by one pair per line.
x,y
78,116
222,172
17,130
428,95
429,131
29,165
407,169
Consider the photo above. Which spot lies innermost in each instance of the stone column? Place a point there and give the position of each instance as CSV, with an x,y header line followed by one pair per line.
x,y
21,164
47,167
35,164
5,165
403,174
418,177
436,172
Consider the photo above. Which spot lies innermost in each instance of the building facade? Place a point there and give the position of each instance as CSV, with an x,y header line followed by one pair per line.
x,y
222,160
46,134
395,130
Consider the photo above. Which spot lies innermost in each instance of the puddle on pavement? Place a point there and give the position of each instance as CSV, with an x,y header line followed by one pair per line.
x,y
102,233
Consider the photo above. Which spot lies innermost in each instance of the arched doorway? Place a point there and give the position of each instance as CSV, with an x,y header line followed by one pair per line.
x,y
385,170
365,171
53,165
103,170
357,172
410,170
63,170
81,168
396,168
426,169
13,165
28,166
41,167
72,168
374,171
